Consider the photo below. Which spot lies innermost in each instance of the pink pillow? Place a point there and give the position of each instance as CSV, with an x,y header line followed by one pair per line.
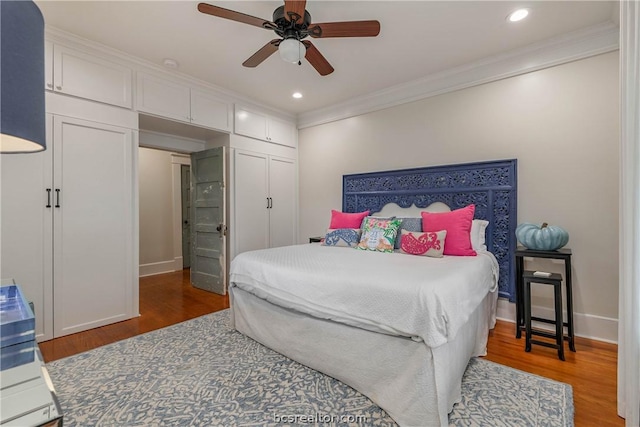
x,y
346,220
428,244
458,226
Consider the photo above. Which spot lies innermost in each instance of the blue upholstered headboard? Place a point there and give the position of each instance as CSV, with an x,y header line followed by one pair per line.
x,y
491,186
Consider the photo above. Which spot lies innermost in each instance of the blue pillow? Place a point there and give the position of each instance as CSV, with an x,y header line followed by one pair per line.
x,y
349,237
409,224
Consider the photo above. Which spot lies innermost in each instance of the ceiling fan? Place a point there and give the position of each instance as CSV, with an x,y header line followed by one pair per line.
x,y
293,24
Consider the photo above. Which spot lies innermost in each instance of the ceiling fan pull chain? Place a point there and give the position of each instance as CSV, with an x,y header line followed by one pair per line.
x,y
300,55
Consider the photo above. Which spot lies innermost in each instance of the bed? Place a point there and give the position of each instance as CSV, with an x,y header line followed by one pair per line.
x,y
400,329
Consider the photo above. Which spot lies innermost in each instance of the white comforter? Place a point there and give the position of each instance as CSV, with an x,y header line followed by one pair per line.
x,y
424,298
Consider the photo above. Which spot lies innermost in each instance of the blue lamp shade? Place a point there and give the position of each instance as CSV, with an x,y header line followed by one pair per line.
x,y
22,110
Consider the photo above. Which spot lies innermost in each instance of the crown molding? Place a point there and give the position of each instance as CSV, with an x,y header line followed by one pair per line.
x,y
595,40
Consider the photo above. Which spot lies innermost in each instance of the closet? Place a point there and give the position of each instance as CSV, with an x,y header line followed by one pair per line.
x,y
265,201
68,217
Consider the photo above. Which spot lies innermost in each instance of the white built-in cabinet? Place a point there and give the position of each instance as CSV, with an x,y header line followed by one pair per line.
x,y
264,208
166,98
256,124
69,216
73,72
68,226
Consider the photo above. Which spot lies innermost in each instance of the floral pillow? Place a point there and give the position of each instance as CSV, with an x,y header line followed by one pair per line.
x,y
428,243
379,234
349,237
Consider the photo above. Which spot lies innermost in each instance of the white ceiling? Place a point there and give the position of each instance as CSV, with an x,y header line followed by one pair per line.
x,y
417,39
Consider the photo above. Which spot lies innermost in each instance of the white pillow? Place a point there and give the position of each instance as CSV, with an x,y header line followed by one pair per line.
x,y
478,228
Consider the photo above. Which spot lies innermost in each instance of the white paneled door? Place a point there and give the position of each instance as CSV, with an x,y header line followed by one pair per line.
x,y
92,199
208,228
25,221
251,201
282,207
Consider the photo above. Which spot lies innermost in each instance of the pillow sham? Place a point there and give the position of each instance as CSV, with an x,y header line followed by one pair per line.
x,y
379,234
428,243
478,237
346,219
458,226
348,237
409,224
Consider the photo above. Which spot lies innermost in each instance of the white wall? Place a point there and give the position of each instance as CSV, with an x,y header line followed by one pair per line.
x,y
561,124
156,211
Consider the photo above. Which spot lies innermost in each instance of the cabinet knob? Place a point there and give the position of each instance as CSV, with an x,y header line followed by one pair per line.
x,y
50,85
59,87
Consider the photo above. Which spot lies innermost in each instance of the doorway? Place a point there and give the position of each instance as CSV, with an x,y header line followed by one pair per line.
x,y
180,218
185,198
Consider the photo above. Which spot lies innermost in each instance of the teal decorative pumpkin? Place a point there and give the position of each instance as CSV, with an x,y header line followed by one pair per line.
x,y
545,237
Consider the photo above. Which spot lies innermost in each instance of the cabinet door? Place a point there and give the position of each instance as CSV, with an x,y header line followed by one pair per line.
x,y
87,76
26,222
282,132
251,225
209,111
282,214
163,98
251,123
93,225
48,65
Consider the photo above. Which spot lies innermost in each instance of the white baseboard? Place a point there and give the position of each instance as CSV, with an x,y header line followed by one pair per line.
x,y
585,325
158,268
177,263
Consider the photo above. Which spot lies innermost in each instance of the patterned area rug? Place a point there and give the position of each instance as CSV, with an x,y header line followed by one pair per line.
x,y
202,373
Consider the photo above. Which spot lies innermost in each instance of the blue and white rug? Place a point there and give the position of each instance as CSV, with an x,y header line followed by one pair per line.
x,y
202,373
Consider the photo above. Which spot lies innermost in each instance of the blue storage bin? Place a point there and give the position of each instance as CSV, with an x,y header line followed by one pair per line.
x,y
17,328
17,354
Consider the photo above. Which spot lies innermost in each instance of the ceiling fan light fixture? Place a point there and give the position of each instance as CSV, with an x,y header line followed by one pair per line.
x,y
291,50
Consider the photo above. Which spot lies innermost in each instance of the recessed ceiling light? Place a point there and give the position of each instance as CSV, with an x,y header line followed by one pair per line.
x,y
170,63
518,15
297,95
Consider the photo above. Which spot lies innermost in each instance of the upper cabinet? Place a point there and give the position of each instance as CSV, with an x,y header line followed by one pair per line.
x,y
76,69
166,98
76,73
256,124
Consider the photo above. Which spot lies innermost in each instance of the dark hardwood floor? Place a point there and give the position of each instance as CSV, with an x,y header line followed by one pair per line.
x,y
167,299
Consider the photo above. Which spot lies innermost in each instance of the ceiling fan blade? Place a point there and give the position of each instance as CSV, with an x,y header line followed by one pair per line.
x,y
294,9
316,59
345,29
221,12
265,51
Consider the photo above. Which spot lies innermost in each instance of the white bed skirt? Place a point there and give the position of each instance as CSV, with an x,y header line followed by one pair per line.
x,y
416,385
